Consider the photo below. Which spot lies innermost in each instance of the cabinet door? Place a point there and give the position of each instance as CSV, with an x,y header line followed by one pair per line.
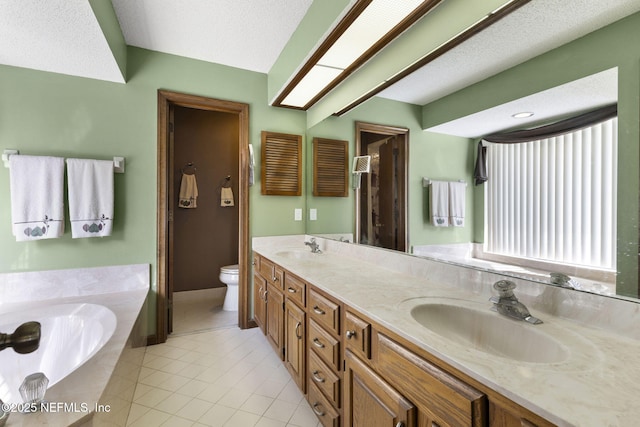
x,y
294,346
275,314
259,302
370,401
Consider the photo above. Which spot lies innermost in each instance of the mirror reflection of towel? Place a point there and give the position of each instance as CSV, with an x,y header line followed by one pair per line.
x,y
188,192
226,197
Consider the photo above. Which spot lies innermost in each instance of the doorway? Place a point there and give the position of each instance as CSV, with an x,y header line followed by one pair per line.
x,y
207,138
381,200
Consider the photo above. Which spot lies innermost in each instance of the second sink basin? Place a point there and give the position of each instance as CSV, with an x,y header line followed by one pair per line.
x,y
489,332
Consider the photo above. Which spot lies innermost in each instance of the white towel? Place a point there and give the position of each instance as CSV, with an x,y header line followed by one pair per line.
x,y
457,199
226,197
37,197
439,203
90,197
188,192
252,165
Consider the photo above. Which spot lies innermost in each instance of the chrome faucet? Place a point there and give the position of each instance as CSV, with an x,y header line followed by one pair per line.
x,y
508,305
25,339
564,281
315,248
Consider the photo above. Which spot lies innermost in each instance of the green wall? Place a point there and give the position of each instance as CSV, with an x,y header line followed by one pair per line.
x,y
52,114
431,155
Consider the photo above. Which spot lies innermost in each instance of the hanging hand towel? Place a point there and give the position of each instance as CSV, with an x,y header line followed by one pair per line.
x,y
439,203
252,165
90,197
37,197
457,199
188,192
226,197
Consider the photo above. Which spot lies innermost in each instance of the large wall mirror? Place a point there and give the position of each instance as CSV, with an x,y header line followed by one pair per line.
x,y
588,73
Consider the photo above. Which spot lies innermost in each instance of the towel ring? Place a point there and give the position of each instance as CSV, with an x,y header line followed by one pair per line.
x,y
187,166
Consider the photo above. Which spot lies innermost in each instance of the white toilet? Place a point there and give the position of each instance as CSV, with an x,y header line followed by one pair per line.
x,y
229,276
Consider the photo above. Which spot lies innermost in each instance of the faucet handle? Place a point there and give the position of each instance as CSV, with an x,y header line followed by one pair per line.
x,y
505,288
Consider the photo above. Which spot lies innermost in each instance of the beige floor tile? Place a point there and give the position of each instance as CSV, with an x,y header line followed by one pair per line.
x,y
195,409
217,416
244,419
151,418
281,410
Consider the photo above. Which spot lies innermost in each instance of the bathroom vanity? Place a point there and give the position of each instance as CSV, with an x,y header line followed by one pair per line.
x,y
383,339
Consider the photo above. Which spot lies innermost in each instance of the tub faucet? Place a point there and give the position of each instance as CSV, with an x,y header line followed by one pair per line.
x,y
508,305
315,248
25,339
564,281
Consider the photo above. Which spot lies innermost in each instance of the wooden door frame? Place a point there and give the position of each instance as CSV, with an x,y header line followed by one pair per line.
x,y
391,131
165,100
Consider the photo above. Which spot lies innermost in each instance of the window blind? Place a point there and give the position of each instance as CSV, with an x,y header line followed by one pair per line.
x,y
554,199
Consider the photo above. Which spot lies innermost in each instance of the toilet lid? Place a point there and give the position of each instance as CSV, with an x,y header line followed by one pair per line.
x,y
230,268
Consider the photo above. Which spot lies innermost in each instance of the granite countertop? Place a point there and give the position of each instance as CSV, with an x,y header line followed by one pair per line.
x,y
122,289
597,384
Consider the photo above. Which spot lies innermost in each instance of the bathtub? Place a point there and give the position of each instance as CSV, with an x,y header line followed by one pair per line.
x,y
70,335
91,348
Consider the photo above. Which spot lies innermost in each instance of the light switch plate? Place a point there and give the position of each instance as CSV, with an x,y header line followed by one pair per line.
x,y
313,214
297,214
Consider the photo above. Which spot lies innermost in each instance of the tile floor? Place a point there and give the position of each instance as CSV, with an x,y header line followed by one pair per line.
x,y
211,373
201,310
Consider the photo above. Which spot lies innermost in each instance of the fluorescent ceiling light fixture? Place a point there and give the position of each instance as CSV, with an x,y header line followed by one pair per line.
x,y
522,115
365,30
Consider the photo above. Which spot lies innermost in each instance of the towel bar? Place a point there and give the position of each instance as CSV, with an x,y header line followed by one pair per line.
x,y
118,162
427,182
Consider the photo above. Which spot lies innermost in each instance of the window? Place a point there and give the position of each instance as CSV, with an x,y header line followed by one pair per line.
x,y
554,199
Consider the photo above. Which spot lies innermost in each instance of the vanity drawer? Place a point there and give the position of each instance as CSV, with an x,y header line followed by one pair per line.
x,y
326,346
326,413
295,289
357,335
324,311
271,273
323,377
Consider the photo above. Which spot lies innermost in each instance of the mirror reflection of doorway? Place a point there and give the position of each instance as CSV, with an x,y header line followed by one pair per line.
x,y
381,200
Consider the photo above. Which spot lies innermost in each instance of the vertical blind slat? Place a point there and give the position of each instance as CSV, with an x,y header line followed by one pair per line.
x,y
555,199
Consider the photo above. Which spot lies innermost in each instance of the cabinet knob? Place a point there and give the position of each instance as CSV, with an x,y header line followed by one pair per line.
x,y
318,310
297,330
275,278
317,378
318,412
400,424
350,334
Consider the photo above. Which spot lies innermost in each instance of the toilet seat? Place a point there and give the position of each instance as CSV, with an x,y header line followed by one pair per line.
x,y
231,269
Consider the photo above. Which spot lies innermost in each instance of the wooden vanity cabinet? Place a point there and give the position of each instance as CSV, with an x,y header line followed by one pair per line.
x,y
324,378
370,401
259,301
275,319
295,322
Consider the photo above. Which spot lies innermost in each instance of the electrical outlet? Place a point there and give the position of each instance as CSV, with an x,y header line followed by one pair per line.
x,y
297,214
313,214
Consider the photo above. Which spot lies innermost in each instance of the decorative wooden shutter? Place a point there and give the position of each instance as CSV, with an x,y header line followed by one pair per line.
x,y
330,167
281,164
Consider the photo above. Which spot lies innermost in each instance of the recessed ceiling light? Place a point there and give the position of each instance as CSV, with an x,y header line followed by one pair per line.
x,y
522,115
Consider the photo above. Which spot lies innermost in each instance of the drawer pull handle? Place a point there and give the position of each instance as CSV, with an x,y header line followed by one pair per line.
x,y
317,343
318,310
316,377
316,410
297,330
291,290
350,334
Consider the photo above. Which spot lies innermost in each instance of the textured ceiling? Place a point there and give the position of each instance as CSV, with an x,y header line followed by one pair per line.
x,y
64,36
60,36
535,28
238,33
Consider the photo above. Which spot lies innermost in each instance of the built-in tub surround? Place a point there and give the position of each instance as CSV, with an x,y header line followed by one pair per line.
x,y
95,390
593,380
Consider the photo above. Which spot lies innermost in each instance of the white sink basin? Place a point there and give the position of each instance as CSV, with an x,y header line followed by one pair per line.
x,y
298,254
489,332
